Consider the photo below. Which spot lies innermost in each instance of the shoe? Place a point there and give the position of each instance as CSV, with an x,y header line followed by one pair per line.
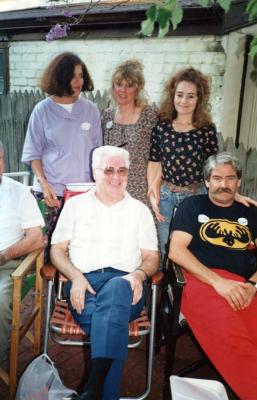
x,y
88,396
83,396
73,396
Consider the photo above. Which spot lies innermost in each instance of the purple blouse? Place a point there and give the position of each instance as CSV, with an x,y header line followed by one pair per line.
x,y
63,141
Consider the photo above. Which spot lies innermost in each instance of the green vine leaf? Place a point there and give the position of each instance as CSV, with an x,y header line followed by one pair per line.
x,y
151,13
251,9
204,3
253,47
164,30
225,4
147,27
163,17
177,16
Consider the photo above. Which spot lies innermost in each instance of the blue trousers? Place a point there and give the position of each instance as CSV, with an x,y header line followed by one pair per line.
x,y
168,201
106,318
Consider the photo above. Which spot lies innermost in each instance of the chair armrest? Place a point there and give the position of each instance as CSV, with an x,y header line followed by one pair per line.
x,y
157,278
26,264
49,272
176,274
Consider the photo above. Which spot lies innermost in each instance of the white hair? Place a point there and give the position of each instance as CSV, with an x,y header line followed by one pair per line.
x,y
100,153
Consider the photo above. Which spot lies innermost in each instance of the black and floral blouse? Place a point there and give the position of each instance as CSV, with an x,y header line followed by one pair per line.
x,y
182,154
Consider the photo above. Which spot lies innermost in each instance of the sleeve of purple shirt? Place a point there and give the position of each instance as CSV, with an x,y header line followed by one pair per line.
x,y
35,138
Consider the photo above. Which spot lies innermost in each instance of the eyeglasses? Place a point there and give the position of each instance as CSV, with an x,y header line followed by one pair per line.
x,y
110,171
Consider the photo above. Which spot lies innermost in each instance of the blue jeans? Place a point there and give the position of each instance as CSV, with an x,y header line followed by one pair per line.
x,y
168,201
106,318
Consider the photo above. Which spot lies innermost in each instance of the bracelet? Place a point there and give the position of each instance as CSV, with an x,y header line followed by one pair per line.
x,y
2,258
141,269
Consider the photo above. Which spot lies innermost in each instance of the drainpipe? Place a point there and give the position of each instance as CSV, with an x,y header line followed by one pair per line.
x,y
242,90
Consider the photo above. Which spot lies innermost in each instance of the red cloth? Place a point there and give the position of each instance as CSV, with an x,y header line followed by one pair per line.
x,y
70,193
228,337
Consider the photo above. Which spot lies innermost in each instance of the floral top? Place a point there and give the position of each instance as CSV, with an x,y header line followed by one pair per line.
x,y
182,154
136,139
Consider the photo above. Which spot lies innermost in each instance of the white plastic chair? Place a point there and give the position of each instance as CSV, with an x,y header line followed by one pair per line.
x,y
24,175
196,389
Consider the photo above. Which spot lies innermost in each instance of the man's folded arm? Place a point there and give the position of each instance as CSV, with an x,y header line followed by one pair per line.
x,y
32,240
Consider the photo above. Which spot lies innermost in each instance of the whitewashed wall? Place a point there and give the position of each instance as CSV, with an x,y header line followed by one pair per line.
x,y
161,58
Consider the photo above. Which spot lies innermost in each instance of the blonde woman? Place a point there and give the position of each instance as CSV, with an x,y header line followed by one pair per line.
x,y
129,123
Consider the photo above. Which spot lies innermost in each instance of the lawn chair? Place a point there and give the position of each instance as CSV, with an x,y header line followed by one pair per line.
x,y
63,329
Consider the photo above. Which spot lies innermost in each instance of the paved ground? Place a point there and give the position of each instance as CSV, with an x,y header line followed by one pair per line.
x,y
73,365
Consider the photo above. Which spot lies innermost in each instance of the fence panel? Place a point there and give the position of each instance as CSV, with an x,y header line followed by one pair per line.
x,y
15,110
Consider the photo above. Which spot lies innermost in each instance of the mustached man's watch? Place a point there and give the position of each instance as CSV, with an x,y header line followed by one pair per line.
x,y
252,283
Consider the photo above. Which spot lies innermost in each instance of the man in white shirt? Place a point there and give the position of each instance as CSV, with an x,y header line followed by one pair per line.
x,y
105,243
20,233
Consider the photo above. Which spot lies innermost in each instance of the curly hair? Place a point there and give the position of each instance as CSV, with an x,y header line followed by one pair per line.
x,y
57,77
201,116
132,72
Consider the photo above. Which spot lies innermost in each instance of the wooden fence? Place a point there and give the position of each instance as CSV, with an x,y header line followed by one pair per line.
x,y
15,110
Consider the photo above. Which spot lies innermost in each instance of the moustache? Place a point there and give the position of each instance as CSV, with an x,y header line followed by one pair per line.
x,y
223,190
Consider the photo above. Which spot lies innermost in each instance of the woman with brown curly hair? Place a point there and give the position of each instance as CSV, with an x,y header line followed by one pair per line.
x,y
62,131
181,141
130,122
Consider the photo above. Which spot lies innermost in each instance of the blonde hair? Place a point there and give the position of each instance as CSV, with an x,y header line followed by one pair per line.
x,y
132,72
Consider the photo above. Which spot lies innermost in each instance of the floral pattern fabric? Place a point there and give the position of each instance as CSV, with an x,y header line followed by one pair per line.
x,y
182,154
136,139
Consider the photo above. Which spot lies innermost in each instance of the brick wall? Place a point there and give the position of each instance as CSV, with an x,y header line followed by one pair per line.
x,y
161,58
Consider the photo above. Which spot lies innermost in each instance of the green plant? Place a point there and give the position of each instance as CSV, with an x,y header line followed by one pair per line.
x,y
169,12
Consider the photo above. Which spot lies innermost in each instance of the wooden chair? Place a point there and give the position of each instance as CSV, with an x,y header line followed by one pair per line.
x,y
33,263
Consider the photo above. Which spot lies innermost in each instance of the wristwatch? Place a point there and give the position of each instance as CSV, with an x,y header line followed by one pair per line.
x,y
252,283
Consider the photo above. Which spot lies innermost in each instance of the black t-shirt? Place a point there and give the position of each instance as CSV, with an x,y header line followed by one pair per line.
x,y
221,235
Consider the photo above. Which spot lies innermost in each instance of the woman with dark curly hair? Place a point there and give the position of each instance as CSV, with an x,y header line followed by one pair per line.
x,y
130,122
62,131
182,140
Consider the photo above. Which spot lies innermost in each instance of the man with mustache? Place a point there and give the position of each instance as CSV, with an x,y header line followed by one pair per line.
x,y
210,239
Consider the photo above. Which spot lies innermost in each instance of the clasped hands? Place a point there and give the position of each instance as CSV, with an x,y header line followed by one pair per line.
x,y
80,285
239,295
